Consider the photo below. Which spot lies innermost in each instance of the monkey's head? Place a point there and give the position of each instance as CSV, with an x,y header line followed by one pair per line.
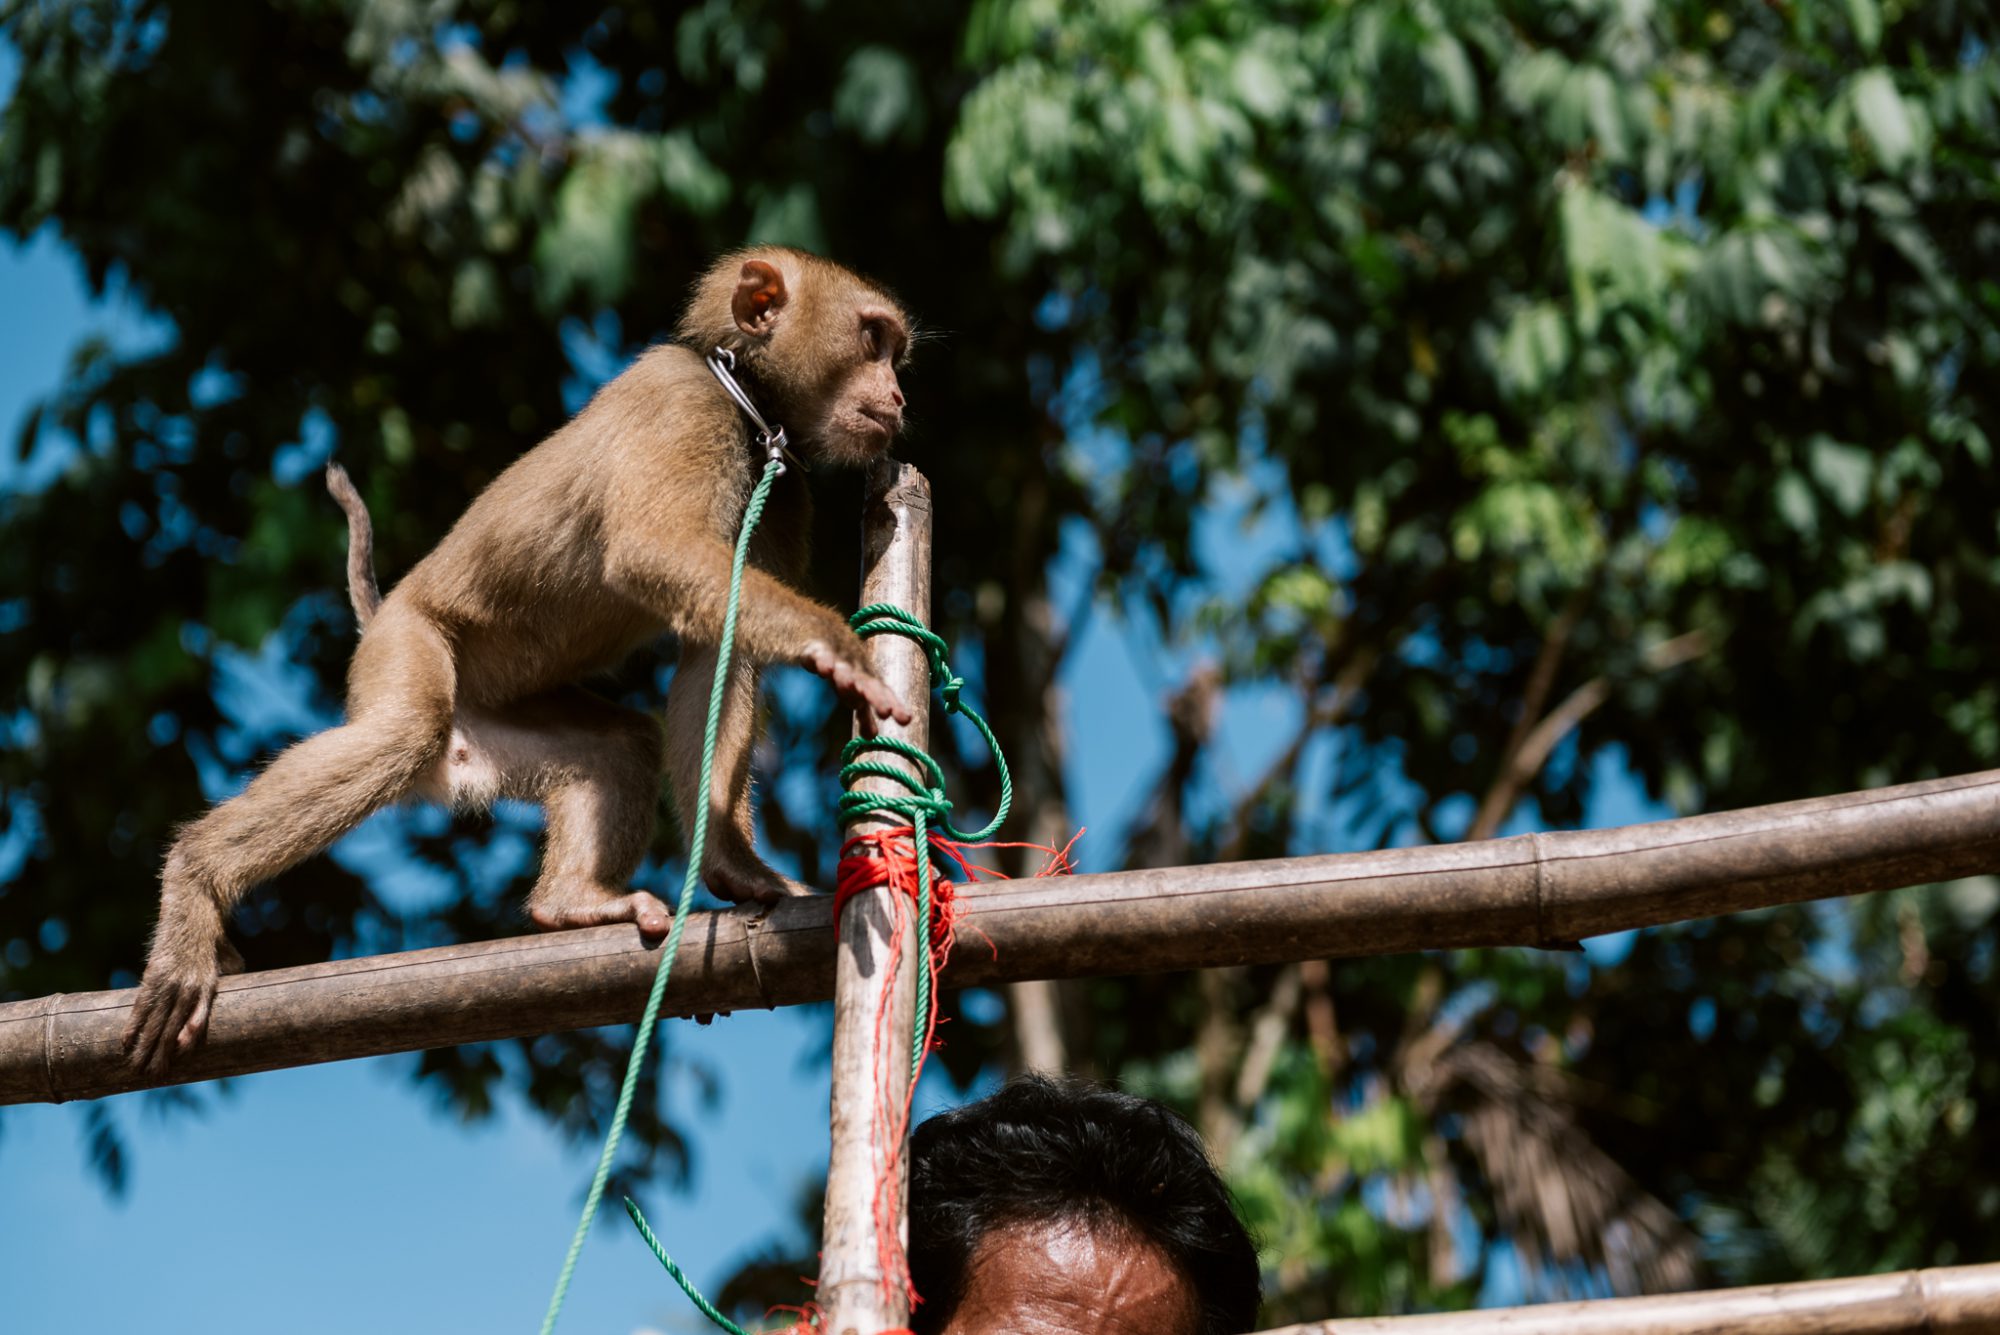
x,y
819,343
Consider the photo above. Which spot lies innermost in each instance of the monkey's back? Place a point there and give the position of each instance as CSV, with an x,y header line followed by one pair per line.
x,y
519,585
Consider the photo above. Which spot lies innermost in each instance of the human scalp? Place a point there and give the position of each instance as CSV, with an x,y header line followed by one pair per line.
x,y
1046,1152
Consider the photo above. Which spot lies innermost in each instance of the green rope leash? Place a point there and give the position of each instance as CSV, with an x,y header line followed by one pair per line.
x,y
703,1305
697,844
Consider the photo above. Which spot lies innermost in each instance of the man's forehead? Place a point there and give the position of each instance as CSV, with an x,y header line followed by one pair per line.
x,y
1073,1278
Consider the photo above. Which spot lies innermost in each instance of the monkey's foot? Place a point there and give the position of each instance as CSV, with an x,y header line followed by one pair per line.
x,y
749,880
176,995
594,906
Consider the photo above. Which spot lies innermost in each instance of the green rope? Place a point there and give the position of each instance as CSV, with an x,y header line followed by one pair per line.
x,y
925,801
697,844
703,1305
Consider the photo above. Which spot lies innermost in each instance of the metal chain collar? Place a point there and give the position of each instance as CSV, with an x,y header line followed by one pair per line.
x,y
722,365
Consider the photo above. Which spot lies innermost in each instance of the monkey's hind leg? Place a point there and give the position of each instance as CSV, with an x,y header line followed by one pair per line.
x,y
314,792
595,769
731,866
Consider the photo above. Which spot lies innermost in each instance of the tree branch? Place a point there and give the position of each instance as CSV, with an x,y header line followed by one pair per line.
x,y
1542,677
1328,710
1267,1038
1527,759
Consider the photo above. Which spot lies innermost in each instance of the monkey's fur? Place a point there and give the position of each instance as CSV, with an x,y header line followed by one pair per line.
x,y
617,528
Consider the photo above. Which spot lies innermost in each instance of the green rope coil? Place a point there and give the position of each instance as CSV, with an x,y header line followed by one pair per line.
x,y
697,845
925,801
928,799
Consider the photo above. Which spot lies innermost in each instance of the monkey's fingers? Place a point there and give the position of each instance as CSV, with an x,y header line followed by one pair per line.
x,y
879,700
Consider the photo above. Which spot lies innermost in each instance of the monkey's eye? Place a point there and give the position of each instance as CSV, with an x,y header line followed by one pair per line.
x,y
871,340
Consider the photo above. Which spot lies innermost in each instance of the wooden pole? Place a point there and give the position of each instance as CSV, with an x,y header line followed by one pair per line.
x,y
1962,1300
875,966
1526,890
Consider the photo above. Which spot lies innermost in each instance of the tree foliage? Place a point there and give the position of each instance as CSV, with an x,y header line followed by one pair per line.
x,y
1595,384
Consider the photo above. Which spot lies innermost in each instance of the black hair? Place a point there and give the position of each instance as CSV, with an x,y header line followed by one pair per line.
x,y
1046,1152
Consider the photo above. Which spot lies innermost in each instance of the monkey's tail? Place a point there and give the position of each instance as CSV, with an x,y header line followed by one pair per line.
x,y
362,590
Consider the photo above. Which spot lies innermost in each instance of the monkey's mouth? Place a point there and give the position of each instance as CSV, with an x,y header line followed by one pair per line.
x,y
889,422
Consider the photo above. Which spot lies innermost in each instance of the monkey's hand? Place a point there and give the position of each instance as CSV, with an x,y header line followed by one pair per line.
x,y
177,993
860,689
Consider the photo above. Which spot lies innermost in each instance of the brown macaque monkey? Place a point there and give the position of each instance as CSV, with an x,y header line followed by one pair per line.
x,y
614,530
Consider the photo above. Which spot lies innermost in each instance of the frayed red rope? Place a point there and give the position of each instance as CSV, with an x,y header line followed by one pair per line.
x,y
888,858
808,1322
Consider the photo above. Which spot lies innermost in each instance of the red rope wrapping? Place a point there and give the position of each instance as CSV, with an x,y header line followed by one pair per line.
x,y
889,858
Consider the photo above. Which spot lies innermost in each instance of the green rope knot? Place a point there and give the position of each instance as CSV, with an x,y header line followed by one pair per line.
x,y
925,797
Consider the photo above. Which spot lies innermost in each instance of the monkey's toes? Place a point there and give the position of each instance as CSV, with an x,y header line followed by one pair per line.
x,y
653,917
639,908
170,1017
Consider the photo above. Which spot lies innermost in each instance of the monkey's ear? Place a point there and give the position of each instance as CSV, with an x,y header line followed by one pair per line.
x,y
760,293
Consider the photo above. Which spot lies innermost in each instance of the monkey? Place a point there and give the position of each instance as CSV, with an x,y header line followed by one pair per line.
x,y
619,528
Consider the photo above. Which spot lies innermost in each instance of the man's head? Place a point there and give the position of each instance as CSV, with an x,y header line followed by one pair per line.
x,y
1064,1208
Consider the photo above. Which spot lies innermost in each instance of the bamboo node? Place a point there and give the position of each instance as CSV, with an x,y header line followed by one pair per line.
x,y
1543,935
49,1009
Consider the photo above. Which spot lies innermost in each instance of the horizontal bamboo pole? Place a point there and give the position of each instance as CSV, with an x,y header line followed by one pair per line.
x,y
1533,889
1962,1300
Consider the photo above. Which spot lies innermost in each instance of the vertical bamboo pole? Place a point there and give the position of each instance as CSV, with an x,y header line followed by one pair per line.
x,y
871,1023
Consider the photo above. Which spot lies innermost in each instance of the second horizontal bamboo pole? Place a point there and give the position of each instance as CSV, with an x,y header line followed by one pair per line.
x,y
1956,1300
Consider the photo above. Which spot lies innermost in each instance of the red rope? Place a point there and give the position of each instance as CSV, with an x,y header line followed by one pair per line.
x,y
889,858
